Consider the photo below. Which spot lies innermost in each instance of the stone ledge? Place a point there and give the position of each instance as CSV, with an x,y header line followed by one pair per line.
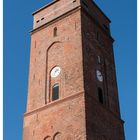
x,y
54,103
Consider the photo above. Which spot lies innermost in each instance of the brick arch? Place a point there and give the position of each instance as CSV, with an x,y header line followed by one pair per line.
x,y
55,42
47,138
52,55
57,136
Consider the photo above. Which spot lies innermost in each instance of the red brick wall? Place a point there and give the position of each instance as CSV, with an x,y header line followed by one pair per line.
x,y
92,48
54,11
77,114
65,116
103,121
47,51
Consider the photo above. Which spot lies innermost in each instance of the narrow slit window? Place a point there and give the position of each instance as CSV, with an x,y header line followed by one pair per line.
x,y
55,32
106,27
86,6
97,36
37,21
55,92
99,59
100,95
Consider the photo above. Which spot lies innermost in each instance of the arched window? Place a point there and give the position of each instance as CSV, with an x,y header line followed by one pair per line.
x,y
100,95
55,32
55,92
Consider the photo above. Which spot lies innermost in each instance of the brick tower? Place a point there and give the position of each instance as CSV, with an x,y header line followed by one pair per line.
x,y
72,91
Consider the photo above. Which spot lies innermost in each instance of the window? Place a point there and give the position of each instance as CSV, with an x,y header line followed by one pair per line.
x,y
34,77
100,95
99,59
85,5
55,32
37,21
98,36
100,39
55,92
106,27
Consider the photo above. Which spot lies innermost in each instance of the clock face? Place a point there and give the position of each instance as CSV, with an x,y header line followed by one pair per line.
x,y
55,71
99,76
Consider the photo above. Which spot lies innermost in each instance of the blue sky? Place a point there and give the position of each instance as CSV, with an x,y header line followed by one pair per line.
x,y
18,23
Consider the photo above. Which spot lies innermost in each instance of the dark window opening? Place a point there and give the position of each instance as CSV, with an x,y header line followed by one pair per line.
x,y
55,92
99,59
55,32
86,6
37,21
98,36
42,18
100,95
105,27
34,77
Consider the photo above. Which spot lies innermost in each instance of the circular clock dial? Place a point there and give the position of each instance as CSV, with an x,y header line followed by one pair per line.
x,y
55,72
99,76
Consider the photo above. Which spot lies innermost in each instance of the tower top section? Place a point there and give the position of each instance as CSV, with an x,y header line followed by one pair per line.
x,y
59,8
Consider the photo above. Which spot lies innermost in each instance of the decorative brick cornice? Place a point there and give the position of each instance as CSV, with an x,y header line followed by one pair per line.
x,y
56,19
